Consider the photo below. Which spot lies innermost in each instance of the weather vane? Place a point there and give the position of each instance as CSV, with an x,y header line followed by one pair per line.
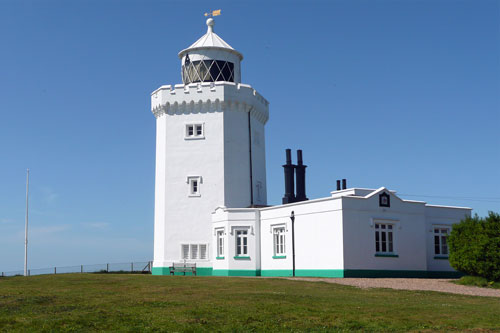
x,y
213,13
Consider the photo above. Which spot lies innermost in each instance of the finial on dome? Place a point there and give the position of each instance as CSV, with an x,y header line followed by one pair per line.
x,y
210,24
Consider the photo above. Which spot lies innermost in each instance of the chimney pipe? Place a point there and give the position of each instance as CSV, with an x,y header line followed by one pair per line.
x,y
288,169
338,185
344,184
300,174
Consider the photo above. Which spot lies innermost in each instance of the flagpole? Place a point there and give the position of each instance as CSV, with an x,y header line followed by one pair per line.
x,y
26,226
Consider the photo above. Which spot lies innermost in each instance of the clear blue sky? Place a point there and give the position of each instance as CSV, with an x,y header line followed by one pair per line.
x,y
402,94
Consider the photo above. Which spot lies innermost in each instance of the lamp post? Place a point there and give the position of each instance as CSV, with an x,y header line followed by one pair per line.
x,y
292,217
26,226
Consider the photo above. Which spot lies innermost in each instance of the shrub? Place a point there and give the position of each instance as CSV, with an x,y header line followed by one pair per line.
x,y
477,281
474,245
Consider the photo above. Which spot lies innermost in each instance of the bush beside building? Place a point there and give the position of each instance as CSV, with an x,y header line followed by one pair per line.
x,y
475,246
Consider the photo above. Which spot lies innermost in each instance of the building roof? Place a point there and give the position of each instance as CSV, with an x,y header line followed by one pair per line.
x,y
210,40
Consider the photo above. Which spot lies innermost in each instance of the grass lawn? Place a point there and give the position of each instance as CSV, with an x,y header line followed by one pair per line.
x,y
119,302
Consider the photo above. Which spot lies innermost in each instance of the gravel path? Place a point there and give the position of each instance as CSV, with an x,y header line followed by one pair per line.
x,y
442,285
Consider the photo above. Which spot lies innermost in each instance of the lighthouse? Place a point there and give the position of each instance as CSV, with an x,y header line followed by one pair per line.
x,y
210,151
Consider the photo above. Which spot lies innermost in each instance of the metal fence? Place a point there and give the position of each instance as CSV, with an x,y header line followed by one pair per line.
x,y
127,267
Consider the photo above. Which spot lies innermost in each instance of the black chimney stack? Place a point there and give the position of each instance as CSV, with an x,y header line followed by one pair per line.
x,y
289,183
300,174
338,185
344,184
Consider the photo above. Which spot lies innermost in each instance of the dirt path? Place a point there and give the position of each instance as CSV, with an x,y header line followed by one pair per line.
x,y
442,285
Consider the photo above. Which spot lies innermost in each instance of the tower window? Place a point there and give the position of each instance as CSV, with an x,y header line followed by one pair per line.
x,y
194,186
194,251
194,131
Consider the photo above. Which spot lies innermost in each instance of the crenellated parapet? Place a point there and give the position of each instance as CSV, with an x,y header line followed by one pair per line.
x,y
209,97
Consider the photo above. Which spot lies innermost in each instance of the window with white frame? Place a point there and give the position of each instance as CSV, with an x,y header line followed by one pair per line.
x,y
194,131
440,241
279,241
203,251
241,242
185,251
194,186
384,239
220,243
194,251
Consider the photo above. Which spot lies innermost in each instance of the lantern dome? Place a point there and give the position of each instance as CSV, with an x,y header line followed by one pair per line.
x,y
210,59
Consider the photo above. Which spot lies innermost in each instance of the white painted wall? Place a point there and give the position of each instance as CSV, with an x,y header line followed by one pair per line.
x,y
231,220
237,160
160,192
440,216
221,159
360,215
318,235
186,219
338,233
413,233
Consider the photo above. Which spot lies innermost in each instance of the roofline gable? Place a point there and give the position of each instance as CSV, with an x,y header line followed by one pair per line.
x,y
383,190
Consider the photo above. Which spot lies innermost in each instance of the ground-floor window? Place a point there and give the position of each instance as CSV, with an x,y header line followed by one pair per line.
x,y
220,243
194,251
279,241
440,241
241,242
384,238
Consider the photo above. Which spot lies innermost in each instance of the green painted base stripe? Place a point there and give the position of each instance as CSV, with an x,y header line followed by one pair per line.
x,y
276,272
339,273
386,255
200,271
236,272
444,274
370,273
333,273
160,271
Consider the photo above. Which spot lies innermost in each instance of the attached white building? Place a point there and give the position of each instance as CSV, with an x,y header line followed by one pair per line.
x,y
354,232
210,192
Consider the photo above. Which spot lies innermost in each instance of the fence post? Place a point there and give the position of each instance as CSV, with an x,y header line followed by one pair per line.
x,y
2,274
29,272
55,270
131,267
81,269
107,268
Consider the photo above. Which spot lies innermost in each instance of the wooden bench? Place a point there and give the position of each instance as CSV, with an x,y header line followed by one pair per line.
x,y
182,267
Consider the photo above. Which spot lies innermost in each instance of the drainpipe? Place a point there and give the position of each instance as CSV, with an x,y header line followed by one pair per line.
x,y
292,217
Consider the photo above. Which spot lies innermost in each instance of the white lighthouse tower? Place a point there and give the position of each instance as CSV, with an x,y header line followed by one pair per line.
x,y
210,151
